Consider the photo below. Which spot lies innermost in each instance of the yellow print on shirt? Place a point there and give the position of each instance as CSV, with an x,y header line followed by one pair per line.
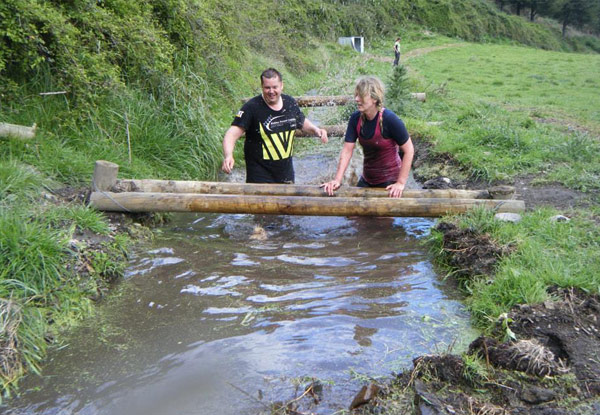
x,y
277,146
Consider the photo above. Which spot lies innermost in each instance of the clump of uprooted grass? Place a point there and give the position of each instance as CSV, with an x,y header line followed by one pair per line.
x,y
526,355
10,319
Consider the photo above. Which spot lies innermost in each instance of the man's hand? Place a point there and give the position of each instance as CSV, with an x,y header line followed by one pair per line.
x,y
322,134
227,165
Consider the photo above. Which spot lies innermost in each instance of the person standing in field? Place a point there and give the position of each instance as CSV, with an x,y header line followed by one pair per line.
x,y
269,121
397,51
382,135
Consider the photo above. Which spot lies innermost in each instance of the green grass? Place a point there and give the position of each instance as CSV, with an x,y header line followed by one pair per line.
x,y
548,253
41,291
547,84
510,111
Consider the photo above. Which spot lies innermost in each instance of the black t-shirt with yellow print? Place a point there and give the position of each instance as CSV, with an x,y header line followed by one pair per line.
x,y
268,147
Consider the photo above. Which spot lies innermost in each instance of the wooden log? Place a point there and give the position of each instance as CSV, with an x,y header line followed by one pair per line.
x,y
105,175
320,101
332,131
17,131
293,205
324,101
174,186
333,100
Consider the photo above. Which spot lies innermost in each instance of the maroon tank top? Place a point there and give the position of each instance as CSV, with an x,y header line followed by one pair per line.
x,y
381,159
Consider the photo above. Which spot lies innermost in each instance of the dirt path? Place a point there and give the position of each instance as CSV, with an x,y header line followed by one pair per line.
x,y
415,52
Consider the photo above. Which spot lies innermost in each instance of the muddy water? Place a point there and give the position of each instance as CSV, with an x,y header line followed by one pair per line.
x,y
224,314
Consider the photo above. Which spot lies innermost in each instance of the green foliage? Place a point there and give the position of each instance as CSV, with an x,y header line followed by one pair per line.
x,y
398,92
18,182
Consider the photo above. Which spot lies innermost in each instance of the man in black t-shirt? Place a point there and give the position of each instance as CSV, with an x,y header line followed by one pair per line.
x,y
269,121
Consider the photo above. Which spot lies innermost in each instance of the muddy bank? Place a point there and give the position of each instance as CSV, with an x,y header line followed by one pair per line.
x,y
553,369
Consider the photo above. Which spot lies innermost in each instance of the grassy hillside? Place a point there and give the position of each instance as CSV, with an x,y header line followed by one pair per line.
x,y
171,72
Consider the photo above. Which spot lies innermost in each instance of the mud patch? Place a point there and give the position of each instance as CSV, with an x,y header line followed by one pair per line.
x,y
471,254
570,328
552,195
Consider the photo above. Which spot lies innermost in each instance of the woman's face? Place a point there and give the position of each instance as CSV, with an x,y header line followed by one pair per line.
x,y
366,104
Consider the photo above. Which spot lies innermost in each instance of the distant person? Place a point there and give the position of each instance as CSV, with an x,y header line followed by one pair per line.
x,y
269,121
397,51
382,135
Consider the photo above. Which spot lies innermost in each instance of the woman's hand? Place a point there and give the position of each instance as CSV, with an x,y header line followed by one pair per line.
x,y
395,190
331,187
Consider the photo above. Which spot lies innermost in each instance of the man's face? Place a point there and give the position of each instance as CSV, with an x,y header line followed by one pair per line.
x,y
271,89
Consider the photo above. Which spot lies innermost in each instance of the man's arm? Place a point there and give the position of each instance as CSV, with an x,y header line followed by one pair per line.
x,y
231,136
309,127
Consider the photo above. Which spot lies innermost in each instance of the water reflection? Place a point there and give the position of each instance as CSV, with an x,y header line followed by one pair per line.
x,y
209,315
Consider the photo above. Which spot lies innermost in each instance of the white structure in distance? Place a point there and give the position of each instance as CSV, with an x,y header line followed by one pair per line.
x,y
357,42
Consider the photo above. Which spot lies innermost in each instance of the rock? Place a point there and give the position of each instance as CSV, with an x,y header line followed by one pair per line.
x,y
559,218
502,192
536,395
366,393
508,217
427,402
438,183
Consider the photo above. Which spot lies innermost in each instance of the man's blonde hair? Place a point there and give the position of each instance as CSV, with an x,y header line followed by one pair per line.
x,y
370,86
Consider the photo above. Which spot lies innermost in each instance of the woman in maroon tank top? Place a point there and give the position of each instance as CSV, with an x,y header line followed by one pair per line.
x,y
382,135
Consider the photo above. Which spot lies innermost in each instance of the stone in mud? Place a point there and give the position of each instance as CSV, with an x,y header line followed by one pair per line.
x,y
365,395
438,183
508,217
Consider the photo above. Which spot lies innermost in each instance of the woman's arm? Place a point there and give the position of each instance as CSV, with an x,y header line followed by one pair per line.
x,y
396,189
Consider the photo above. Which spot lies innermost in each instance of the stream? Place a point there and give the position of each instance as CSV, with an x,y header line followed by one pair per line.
x,y
224,314
227,314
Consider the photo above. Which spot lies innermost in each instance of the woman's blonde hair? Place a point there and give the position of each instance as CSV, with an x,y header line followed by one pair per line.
x,y
370,86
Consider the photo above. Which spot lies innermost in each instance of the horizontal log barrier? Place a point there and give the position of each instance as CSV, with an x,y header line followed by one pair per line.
x,y
332,131
271,189
293,205
333,100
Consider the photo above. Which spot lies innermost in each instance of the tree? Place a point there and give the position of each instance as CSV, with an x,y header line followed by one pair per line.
x,y
517,5
539,7
574,12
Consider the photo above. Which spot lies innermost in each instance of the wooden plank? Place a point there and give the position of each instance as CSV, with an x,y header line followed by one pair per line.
x,y
105,175
182,186
293,205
